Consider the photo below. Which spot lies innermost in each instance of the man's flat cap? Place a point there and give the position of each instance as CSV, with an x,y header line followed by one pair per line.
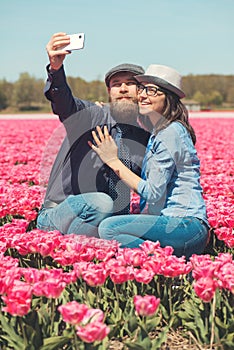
x,y
124,67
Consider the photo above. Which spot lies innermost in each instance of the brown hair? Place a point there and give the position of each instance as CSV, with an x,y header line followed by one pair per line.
x,y
174,110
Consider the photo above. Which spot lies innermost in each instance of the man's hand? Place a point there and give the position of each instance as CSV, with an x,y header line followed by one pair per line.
x,y
100,104
105,147
53,48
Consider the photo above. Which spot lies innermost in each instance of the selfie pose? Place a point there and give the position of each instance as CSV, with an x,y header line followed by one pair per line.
x,y
82,190
172,205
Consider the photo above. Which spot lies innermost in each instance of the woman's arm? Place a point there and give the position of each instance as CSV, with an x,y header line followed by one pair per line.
x,y
107,150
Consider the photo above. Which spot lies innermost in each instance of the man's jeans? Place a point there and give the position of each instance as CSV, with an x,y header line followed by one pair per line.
x,y
80,214
186,235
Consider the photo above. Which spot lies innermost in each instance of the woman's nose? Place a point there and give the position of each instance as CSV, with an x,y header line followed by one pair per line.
x,y
143,94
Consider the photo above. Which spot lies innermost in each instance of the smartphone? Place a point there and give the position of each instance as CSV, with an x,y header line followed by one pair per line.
x,y
76,42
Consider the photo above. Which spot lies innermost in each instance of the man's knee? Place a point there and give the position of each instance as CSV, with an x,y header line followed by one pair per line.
x,y
100,202
105,204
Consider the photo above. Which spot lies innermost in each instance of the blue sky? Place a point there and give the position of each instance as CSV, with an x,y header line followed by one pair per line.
x,y
193,36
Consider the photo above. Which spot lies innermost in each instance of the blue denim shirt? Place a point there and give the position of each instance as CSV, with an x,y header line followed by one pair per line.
x,y
172,168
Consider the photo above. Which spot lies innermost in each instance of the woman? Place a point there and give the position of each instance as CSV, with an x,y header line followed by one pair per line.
x,y
175,212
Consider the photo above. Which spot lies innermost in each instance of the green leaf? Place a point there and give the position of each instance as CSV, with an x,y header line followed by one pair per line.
x,y
44,318
220,323
160,339
135,346
143,333
117,312
152,323
146,343
53,343
132,324
91,297
33,329
12,338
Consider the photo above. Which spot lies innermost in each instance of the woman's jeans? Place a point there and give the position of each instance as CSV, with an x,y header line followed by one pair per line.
x,y
79,214
186,235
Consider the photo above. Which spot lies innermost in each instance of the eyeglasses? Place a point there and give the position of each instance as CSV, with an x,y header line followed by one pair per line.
x,y
149,90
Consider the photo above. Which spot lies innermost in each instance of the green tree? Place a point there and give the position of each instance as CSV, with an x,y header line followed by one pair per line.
x,y
215,98
5,94
3,100
199,97
23,94
230,95
93,91
27,92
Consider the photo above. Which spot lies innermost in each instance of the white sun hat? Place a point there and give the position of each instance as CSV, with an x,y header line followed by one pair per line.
x,y
164,77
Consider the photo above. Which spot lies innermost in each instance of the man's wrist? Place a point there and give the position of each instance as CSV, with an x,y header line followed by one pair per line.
x,y
51,70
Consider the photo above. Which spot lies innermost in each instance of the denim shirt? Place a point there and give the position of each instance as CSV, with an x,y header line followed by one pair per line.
x,y
172,183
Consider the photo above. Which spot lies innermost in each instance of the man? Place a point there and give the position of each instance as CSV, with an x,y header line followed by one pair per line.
x,y
76,199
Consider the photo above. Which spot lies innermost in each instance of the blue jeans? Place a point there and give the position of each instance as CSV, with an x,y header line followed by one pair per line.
x,y
186,235
79,214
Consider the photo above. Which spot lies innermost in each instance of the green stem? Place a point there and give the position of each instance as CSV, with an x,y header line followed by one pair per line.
x,y
76,342
213,322
52,308
170,297
85,295
23,330
39,260
157,285
99,296
116,294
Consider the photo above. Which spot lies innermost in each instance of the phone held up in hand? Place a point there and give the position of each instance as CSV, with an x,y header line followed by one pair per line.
x,y
76,42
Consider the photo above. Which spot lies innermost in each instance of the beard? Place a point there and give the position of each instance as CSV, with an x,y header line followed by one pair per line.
x,y
125,112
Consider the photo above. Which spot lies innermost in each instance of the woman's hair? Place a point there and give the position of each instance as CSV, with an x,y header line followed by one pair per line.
x,y
174,110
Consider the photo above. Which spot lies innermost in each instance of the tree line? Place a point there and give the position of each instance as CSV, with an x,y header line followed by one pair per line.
x,y
213,91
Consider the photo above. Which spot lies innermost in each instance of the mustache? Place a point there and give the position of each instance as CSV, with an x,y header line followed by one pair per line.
x,y
129,99
123,96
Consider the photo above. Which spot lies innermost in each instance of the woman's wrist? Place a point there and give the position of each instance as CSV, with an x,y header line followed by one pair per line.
x,y
112,162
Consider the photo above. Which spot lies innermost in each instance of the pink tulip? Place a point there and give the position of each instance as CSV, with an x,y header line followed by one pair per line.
x,y
50,285
94,276
205,288
18,299
73,312
147,305
104,254
143,275
152,263
174,266
94,331
226,276
134,257
8,278
150,247
121,274
93,315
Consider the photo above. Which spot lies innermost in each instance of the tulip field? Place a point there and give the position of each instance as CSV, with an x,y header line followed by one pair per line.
x,y
74,292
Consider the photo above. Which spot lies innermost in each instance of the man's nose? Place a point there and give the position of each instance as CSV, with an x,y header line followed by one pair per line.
x,y
123,87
